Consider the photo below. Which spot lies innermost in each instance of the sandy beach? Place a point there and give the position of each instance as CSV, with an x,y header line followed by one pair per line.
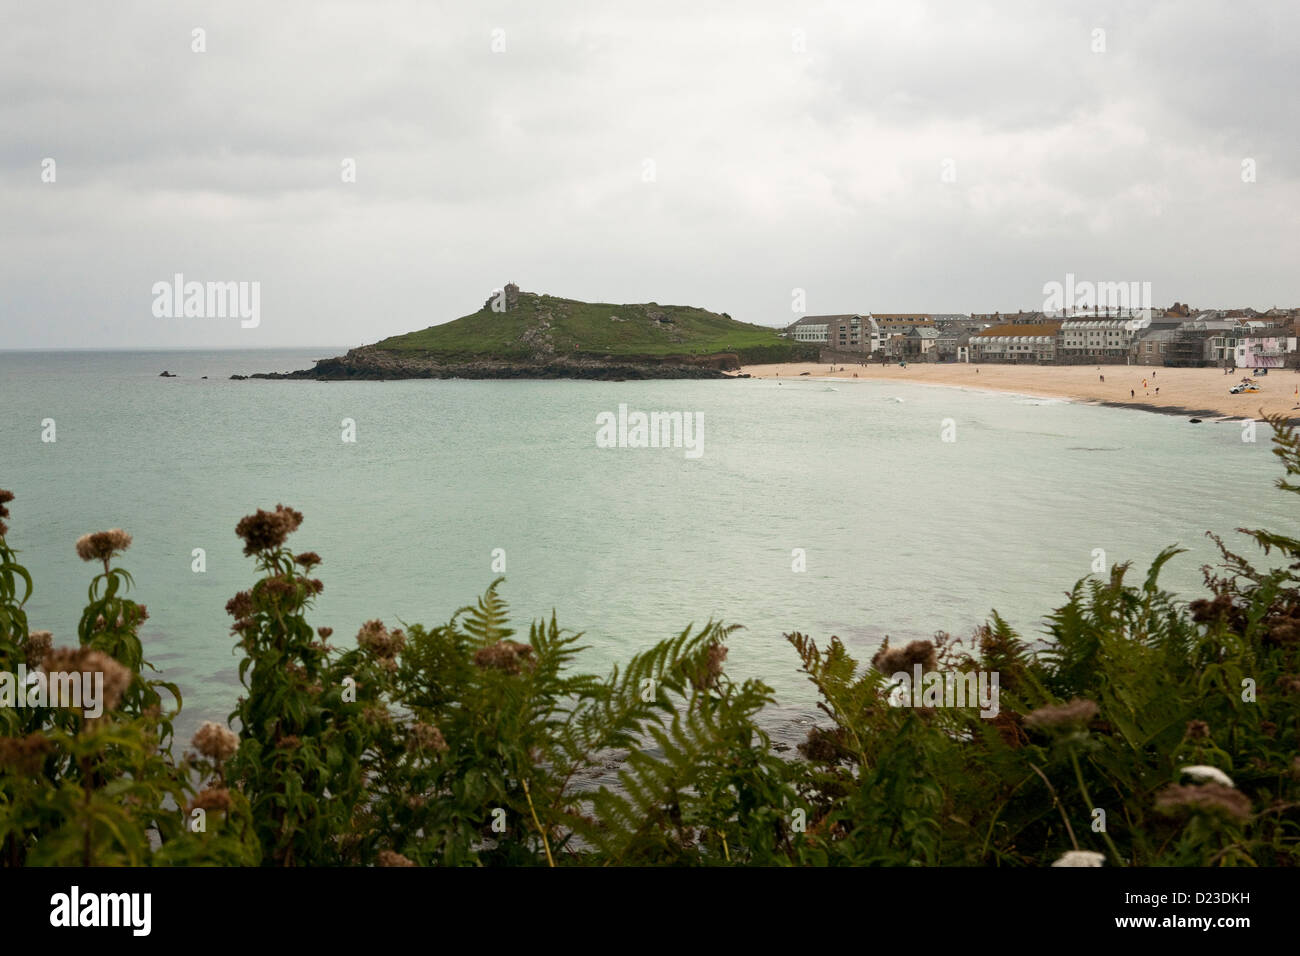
x,y
1195,392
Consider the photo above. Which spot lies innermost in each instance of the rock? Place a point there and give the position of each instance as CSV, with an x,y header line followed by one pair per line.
x,y
1196,421
238,378
166,374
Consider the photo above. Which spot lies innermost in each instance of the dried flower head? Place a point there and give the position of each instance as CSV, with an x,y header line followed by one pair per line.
x,y
39,644
25,755
507,656
240,606
212,798
392,858
5,498
827,745
1209,797
426,737
215,741
707,674
102,545
1080,710
893,660
1198,729
308,559
117,677
375,639
1080,858
324,632
267,530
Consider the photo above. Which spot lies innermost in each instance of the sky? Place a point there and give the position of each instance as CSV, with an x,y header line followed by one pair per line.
x,y
746,157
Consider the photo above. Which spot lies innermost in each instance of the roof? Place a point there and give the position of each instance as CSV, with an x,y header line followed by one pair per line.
x,y
1022,329
823,319
924,333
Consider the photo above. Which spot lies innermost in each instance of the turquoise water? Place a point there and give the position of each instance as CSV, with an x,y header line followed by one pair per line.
x,y
904,533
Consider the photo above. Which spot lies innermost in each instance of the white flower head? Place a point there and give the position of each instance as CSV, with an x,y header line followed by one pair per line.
x,y
1203,774
1080,858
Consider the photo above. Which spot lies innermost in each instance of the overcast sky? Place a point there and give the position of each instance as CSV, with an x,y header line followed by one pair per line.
x,y
634,152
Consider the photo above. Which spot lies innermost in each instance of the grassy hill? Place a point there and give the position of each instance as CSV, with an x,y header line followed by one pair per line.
x,y
535,326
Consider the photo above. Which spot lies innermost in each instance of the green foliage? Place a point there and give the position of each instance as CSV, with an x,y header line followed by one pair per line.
x,y
460,745
571,327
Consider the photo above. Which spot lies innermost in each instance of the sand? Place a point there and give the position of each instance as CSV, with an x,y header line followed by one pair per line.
x,y
1194,392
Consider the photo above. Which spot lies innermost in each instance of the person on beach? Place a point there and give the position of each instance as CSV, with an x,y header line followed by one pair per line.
x,y
1130,394
1102,377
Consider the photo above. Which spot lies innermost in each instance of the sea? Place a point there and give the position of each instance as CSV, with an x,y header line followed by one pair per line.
x,y
852,509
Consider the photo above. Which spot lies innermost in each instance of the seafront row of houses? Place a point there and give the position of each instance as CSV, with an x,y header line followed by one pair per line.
x,y
1178,336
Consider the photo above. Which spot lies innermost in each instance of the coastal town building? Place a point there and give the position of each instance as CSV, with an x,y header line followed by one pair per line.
x,y
920,342
1251,347
852,333
953,343
1097,340
1151,346
811,328
1017,342
891,322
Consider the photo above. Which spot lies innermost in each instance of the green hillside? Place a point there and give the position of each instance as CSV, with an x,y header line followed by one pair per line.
x,y
535,325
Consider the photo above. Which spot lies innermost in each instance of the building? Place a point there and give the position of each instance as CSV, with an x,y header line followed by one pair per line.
x,y
1017,342
811,328
1151,346
1094,340
891,322
920,342
1201,341
953,343
1251,347
852,333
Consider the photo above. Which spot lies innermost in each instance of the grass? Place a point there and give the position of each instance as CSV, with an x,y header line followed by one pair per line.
x,y
593,329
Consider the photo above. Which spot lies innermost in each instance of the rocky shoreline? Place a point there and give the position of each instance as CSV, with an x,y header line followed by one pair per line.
x,y
370,364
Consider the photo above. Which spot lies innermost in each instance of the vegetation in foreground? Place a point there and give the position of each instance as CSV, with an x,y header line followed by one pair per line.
x,y
1146,732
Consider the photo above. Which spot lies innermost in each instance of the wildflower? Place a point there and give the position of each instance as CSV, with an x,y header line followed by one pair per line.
x,y
102,545
1080,858
39,643
308,559
5,498
117,678
267,530
1201,774
826,745
891,661
324,632
215,741
213,798
391,858
1198,729
1211,797
707,675
375,639
240,606
1080,710
426,737
24,755
504,656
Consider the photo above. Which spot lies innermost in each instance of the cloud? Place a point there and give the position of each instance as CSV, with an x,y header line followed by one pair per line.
x,y
793,145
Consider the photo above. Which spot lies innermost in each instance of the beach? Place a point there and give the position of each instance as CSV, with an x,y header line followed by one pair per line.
x,y
1196,392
